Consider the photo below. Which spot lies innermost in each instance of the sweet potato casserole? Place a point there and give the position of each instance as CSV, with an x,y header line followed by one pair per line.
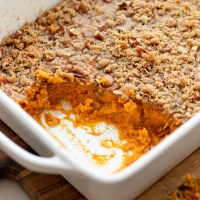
x,y
134,64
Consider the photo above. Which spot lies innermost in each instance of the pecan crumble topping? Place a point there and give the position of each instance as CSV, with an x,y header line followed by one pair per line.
x,y
151,48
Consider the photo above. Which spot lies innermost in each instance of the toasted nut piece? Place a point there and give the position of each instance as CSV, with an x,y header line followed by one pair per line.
x,y
99,36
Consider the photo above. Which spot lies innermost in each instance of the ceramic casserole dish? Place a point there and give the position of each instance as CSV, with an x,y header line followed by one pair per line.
x,y
93,183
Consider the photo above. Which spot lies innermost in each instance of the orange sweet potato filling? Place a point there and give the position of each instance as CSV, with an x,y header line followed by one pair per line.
x,y
141,125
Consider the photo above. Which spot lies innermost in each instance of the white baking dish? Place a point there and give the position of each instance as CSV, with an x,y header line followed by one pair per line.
x,y
94,184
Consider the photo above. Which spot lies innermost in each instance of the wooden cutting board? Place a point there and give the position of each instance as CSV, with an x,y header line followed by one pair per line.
x,y
50,187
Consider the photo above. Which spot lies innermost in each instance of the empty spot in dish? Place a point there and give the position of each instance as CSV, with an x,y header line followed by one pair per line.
x,y
99,144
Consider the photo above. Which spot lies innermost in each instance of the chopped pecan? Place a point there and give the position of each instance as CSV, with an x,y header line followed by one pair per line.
x,y
16,35
123,6
99,36
108,1
88,43
78,75
166,49
196,96
135,43
60,28
163,132
3,80
103,28
140,50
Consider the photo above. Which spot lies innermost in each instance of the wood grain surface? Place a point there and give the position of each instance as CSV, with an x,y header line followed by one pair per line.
x,y
50,187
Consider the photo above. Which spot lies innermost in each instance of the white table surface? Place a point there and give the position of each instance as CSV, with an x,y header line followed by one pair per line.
x,y
11,190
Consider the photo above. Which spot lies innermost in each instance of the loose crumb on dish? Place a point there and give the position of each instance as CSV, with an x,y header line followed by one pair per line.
x,y
51,120
189,190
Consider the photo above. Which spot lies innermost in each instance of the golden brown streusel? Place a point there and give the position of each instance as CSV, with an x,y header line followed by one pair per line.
x,y
149,47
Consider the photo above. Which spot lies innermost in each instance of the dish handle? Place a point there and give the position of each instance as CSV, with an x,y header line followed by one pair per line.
x,y
50,165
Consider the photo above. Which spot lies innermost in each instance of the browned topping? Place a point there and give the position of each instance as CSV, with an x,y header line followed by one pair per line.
x,y
152,46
